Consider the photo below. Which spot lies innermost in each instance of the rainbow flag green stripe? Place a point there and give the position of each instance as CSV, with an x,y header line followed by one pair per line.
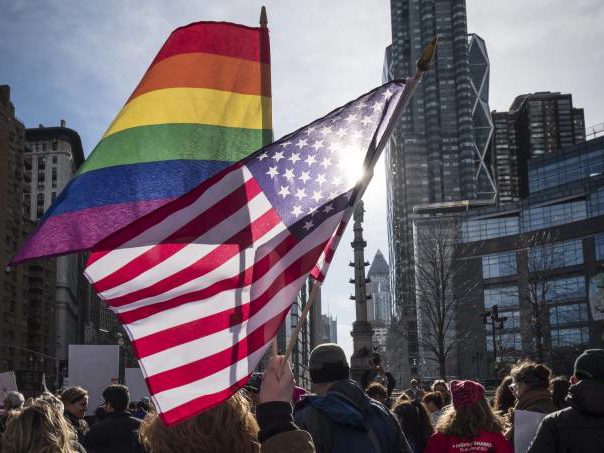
x,y
204,103
175,141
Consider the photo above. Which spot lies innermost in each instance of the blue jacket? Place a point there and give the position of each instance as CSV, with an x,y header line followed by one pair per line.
x,y
347,421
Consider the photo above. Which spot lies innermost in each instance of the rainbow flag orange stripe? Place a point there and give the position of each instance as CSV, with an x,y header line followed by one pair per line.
x,y
204,103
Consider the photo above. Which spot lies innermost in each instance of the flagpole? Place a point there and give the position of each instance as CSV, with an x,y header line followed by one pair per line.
x,y
265,76
314,293
423,65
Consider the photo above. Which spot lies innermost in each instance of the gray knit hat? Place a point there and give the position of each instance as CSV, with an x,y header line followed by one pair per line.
x,y
328,363
15,399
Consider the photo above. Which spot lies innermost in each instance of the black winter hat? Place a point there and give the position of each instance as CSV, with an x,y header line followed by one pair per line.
x,y
590,365
328,363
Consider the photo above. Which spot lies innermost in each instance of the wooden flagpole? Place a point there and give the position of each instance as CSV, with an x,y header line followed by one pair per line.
x,y
314,293
266,81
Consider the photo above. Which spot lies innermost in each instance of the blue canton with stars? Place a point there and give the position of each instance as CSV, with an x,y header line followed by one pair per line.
x,y
310,174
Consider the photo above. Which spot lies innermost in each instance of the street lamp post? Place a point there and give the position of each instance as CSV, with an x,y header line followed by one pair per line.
x,y
496,322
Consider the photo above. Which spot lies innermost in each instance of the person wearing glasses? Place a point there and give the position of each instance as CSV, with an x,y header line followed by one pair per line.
x,y
531,388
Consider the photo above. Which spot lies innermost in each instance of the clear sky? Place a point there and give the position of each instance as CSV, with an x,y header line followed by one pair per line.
x,y
79,61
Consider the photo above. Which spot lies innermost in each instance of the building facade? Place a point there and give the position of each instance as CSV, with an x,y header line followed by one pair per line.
x,y
535,261
379,306
27,292
435,159
329,326
53,155
536,124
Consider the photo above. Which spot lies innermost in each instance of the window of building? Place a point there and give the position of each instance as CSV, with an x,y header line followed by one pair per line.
x,y
566,314
39,205
512,321
556,255
510,342
54,177
499,265
55,146
55,160
599,240
547,216
481,229
561,289
569,337
502,296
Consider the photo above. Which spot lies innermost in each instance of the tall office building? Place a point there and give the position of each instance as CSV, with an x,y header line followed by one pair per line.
x,y
52,156
26,291
379,307
536,124
435,160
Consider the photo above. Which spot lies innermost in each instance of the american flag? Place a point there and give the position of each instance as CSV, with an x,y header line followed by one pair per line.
x,y
203,284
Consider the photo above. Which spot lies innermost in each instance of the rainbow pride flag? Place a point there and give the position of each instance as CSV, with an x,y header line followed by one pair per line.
x,y
204,103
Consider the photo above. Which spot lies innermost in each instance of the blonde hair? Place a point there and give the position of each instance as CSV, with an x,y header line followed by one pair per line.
x,y
40,428
229,427
467,422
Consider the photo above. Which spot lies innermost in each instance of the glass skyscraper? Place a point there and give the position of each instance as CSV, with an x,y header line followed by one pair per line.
x,y
438,158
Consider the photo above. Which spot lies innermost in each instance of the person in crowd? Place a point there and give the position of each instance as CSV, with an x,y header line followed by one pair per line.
x,y
75,401
415,391
231,426
504,396
42,428
376,373
578,428
339,416
378,392
433,402
118,432
415,422
558,387
142,408
13,403
441,386
531,389
469,425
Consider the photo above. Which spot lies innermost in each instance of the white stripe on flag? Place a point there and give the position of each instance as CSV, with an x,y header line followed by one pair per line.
x,y
194,251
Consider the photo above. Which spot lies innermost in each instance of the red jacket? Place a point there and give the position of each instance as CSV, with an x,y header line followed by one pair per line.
x,y
486,442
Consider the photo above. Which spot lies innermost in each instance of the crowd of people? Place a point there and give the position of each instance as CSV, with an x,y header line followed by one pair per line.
x,y
549,414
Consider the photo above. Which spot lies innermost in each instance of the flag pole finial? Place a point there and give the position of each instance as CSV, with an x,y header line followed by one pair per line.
x,y
427,56
263,18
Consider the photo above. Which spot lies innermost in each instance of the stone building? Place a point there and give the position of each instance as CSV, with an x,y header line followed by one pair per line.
x,y
27,292
53,155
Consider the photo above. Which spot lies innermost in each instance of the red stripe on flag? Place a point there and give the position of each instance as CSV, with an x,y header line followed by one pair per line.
x,y
245,278
199,328
221,38
137,227
199,369
181,238
201,404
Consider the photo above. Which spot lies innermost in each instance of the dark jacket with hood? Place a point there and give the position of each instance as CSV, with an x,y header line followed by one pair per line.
x,y
346,420
578,428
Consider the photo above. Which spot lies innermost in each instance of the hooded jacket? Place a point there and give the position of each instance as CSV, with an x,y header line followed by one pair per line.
x,y
346,420
578,428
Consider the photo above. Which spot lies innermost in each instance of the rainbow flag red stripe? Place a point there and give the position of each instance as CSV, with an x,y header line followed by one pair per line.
x,y
204,103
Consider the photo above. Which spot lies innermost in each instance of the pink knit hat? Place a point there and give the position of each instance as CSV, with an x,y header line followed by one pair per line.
x,y
466,393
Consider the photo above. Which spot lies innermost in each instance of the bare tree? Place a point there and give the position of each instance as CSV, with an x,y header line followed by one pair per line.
x,y
439,279
543,256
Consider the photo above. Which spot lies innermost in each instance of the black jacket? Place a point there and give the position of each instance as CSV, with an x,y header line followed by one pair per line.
x,y
118,433
578,428
348,421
